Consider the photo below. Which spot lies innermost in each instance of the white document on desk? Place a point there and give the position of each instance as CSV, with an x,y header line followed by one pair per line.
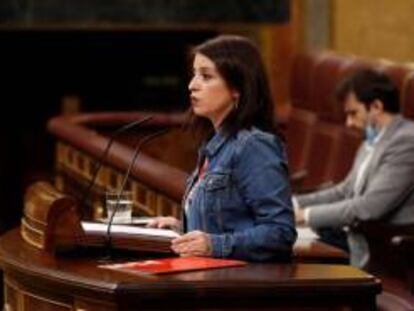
x,y
306,233
125,229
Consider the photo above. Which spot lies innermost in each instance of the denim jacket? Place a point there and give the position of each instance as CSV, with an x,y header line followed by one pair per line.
x,y
243,201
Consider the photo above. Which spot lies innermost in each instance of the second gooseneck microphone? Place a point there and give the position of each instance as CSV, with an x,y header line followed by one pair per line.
x,y
138,148
100,161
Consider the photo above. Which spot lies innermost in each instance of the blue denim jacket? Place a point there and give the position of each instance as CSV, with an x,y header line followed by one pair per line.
x,y
244,200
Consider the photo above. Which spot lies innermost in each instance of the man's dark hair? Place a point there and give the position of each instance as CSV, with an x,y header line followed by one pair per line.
x,y
369,85
239,62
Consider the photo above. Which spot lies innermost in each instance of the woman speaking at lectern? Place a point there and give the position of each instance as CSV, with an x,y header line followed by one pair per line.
x,y
237,202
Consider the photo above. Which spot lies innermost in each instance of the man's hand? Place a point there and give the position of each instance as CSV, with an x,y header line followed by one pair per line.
x,y
194,243
300,216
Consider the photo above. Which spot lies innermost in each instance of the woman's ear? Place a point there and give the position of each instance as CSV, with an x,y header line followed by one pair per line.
x,y
236,95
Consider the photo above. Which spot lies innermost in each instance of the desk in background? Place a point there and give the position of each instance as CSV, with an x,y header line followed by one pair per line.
x,y
309,249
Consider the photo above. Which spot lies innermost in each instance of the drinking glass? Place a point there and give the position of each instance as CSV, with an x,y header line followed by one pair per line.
x,y
121,205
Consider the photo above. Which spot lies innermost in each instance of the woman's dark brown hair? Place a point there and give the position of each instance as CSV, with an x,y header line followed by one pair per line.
x,y
239,62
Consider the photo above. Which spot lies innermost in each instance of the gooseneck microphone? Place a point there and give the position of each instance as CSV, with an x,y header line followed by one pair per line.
x,y
100,161
138,148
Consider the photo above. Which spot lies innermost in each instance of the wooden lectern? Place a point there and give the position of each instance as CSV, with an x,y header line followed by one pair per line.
x,y
35,278
51,222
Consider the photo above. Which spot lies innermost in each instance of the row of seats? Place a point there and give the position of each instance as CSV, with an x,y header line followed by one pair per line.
x,y
315,75
321,151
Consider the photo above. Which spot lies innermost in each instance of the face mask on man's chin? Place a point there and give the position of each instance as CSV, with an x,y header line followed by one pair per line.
x,y
371,132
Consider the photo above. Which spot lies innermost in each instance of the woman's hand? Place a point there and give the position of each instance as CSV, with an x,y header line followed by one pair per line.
x,y
194,243
165,222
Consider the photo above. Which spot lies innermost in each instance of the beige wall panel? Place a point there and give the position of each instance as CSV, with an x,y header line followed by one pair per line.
x,y
374,28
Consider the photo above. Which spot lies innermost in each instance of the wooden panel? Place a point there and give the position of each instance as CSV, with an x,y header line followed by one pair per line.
x,y
147,201
357,29
10,297
38,303
20,298
93,305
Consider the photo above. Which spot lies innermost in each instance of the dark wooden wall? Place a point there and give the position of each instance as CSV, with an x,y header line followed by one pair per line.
x,y
145,11
106,69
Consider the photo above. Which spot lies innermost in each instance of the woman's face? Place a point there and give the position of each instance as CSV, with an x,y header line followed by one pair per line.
x,y
210,96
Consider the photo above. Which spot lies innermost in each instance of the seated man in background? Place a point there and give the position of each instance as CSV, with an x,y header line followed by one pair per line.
x,y
380,185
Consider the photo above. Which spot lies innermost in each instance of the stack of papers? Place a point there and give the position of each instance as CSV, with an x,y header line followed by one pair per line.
x,y
125,229
127,237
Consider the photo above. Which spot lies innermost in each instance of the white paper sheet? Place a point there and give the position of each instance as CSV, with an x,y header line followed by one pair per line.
x,y
305,233
102,228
